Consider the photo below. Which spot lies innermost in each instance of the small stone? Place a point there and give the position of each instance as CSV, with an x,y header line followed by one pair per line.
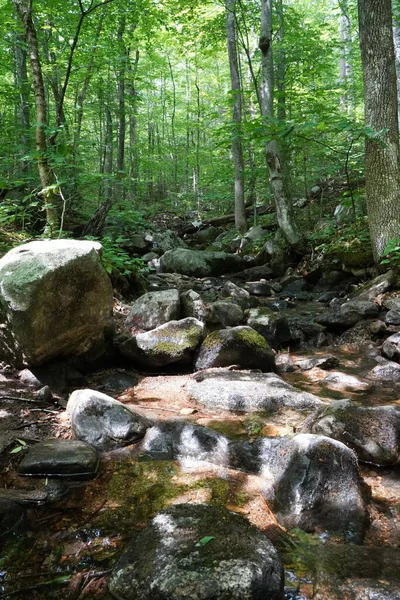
x,y
188,411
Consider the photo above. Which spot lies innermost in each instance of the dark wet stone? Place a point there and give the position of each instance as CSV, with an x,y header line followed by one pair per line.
x,y
248,391
103,422
236,346
338,320
199,263
253,273
258,288
11,516
50,490
373,433
179,440
60,458
193,305
170,560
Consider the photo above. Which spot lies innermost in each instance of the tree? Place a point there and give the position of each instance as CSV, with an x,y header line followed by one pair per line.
x,y
382,153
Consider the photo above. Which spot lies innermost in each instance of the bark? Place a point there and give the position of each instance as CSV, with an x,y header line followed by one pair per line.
x,y
382,160
396,40
22,85
133,154
121,108
283,203
237,151
346,63
50,190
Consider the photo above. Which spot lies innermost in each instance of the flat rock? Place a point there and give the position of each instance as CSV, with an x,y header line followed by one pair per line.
x,y
198,552
60,458
247,391
103,422
154,309
373,433
199,263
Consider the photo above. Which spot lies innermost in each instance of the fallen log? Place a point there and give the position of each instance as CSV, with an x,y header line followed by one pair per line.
x,y
223,219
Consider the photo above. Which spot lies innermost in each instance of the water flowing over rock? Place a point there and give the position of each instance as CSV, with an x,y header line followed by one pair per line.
x,y
236,346
200,263
248,391
192,552
154,309
103,422
56,301
373,433
173,342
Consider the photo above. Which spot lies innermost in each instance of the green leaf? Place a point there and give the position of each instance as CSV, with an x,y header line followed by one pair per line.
x,y
21,442
206,539
17,449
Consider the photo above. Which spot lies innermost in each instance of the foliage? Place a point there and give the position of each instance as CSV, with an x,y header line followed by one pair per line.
x,y
391,254
350,243
117,262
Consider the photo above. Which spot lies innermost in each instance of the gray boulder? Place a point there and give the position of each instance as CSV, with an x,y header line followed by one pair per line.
x,y
236,346
56,301
178,440
154,309
248,391
225,313
314,482
173,342
103,422
376,287
272,326
166,240
391,347
198,263
199,552
236,294
392,317
193,305
373,433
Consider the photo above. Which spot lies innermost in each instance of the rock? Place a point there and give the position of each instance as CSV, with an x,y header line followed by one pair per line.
x,y
60,458
391,300
154,309
56,301
258,288
255,233
331,280
136,243
236,346
199,552
284,363
391,347
342,381
253,273
103,422
166,240
205,236
58,376
178,440
193,305
364,308
149,257
237,294
302,330
323,362
11,516
294,285
225,313
272,326
373,433
392,317
336,320
115,381
387,371
374,288
173,342
247,391
198,263
358,589
315,484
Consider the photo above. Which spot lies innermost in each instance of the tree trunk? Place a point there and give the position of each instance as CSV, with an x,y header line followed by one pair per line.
x,y
382,160
346,63
50,189
237,151
283,203
396,40
22,85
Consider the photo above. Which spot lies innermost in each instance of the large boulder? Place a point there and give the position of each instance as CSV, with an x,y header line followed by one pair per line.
x,y
173,342
236,346
271,325
198,552
247,391
198,263
56,301
154,309
314,482
103,422
372,432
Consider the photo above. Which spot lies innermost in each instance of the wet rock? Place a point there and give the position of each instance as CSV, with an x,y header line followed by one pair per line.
x,y
337,320
323,362
302,331
247,391
365,309
373,433
154,309
11,516
173,342
258,288
199,552
254,273
358,589
272,326
284,363
200,263
178,440
193,305
225,313
56,301
392,317
60,458
47,490
331,280
343,381
391,347
294,285
374,288
237,294
236,346
103,422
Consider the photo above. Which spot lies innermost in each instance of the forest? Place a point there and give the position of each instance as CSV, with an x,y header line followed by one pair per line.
x,y
199,299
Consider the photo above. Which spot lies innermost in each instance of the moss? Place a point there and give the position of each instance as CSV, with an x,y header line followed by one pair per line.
x,y
251,338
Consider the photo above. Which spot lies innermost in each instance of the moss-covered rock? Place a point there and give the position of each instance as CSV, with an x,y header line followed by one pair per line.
x,y
194,552
236,346
55,301
198,263
272,326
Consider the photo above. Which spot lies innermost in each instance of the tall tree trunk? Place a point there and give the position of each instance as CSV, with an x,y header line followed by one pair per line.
x,y
346,63
50,189
121,109
133,151
283,203
396,40
382,161
22,85
237,150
